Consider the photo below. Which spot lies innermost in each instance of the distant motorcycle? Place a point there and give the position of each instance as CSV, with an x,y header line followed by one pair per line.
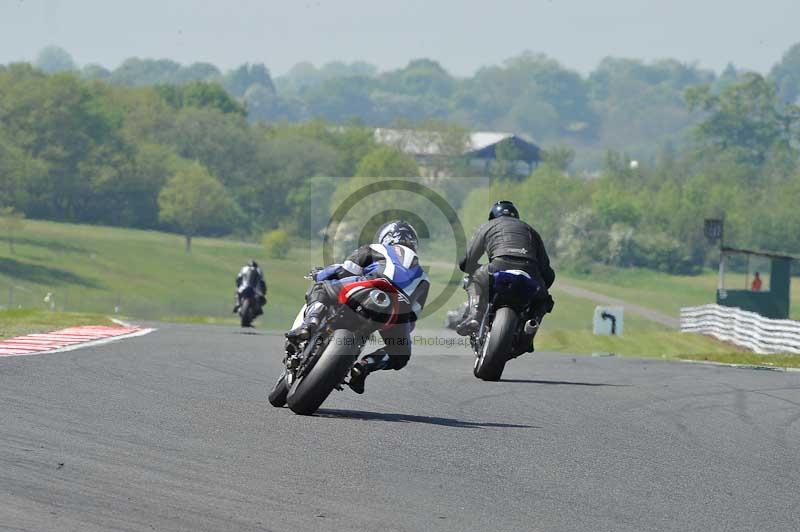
x,y
251,296
317,366
509,322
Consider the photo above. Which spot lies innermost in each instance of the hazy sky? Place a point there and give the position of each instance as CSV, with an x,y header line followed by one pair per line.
x,y
462,34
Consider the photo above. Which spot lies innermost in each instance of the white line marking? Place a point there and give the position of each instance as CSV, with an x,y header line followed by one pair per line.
x,y
739,366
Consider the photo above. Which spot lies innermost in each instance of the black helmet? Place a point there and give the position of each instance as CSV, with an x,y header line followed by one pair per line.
x,y
503,208
397,232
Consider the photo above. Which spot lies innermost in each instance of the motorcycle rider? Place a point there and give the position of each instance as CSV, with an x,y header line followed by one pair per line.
x,y
261,288
510,244
393,256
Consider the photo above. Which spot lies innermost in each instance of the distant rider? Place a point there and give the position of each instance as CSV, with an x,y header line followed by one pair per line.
x,y
510,244
261,288
393,256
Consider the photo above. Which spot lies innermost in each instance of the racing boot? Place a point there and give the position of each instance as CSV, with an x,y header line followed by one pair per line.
x,y
471,321
310,323
362,368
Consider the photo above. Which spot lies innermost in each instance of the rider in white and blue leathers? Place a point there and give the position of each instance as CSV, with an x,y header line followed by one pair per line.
x,y
393,257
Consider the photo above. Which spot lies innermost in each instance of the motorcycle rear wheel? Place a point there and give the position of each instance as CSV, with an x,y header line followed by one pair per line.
x,y
496,348
246,313
309,392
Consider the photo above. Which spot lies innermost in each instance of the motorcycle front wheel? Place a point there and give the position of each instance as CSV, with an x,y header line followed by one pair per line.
x,y
277,397
309,392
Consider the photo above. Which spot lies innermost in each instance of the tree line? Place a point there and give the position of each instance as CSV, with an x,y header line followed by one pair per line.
x,y
623,104
740,164
91,152
185,157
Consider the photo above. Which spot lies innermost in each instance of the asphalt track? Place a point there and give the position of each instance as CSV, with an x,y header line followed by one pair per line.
x,y
171,431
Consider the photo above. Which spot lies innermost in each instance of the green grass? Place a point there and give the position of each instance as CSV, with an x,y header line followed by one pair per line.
x,y
144,274
632,343
147,274
660,291
657,344
21,322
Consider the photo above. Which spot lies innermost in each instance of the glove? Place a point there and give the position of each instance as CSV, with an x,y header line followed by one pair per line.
x,y
313,273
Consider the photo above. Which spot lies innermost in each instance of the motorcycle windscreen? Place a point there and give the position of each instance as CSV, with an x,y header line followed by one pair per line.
x,y
298,321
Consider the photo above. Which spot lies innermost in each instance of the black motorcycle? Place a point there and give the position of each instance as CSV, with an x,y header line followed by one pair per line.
x,y
317,366
251,297
509,322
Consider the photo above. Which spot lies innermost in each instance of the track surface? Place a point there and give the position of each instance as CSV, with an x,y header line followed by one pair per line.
x,y
172,431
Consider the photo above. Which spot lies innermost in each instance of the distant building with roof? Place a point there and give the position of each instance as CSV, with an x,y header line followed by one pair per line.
x,y
433,150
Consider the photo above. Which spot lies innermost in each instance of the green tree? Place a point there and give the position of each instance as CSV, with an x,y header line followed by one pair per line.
x,y
134,196
385,161
93,72
559,158
139,72
746,118
11,223
194,202
17,168
202,95
341,100
530,90
289,165
239,80
421,77
53,59
786,75
506,157
73,128
198,72
277,243
305,75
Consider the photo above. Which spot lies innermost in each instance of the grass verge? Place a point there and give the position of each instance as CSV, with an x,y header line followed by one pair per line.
x,y
661,291
658,344
648,344
21,322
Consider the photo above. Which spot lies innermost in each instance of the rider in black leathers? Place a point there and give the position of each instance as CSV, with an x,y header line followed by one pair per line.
x,y
262,286
510,244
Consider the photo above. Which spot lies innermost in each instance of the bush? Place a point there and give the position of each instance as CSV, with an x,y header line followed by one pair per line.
x,y
277,243
659,251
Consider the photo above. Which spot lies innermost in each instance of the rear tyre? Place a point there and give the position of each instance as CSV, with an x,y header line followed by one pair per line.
x,y
497,346
277,397
308,393
246,313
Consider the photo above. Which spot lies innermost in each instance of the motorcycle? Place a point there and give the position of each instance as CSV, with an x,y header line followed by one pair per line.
x,y
315,367
509,322
251,299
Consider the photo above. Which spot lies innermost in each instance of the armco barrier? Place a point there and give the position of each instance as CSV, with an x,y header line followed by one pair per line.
x,y
743,328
